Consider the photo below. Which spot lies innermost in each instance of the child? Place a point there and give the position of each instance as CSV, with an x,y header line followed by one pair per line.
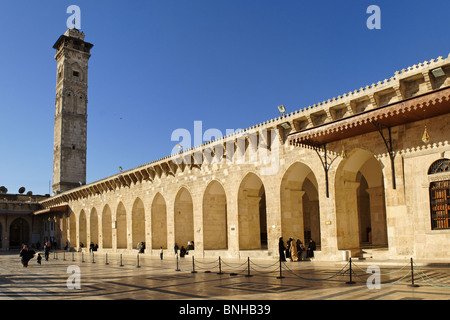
x,y
39,258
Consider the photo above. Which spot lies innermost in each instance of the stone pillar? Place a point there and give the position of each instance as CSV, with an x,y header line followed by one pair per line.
x,y
292,215
233,222
249,224
348,226
378,215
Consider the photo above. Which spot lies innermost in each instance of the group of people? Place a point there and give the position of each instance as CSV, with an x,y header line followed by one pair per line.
x,y
26,253
141,247
295,250
184,251
93,247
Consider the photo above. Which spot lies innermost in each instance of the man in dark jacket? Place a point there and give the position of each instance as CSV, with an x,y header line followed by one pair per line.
x,y
311,248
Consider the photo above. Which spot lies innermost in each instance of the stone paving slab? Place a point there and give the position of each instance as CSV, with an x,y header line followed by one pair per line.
x,y
168,281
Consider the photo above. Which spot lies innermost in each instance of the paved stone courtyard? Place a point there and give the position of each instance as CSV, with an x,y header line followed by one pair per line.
x,y
149,278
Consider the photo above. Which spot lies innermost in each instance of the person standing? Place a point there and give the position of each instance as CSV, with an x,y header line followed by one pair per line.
x,y
281,249
311,248
161,252
293,251
300,249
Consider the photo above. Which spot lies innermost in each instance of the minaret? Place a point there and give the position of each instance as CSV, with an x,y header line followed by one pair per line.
x,y
70,137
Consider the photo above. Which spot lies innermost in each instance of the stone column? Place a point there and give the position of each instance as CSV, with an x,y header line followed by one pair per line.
x,y
294,222
348,226
378,215
249,225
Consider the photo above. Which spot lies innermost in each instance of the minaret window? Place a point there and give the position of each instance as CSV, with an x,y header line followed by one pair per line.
x,y
76,74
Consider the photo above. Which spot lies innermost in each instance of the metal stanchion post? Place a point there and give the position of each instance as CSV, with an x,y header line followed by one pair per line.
x,y
281,276
193,265
93,257
412,275
73,258
248,268
351,281
106,258
82,256
220,267
64,256
178,269
121,260
137,265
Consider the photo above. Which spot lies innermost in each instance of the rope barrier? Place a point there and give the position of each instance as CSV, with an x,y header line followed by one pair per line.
x,y
422,275
249,268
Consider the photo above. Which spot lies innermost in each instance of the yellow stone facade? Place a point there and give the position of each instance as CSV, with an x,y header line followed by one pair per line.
x,y
329,177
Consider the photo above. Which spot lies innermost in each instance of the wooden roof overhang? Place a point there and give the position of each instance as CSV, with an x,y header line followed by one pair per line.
x,y
61,208
418,108
413,109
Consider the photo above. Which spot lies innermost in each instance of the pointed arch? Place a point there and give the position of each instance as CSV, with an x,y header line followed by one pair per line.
x,y
360,201
19,233
215,217
106,227
184,217
252,215
93,222
299,200
138,222
121,227
73,230
159,222
82,228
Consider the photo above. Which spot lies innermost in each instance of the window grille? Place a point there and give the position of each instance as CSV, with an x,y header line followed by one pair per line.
x,y
440,196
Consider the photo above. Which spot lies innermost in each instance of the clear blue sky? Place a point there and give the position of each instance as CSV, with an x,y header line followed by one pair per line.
x,y
161,65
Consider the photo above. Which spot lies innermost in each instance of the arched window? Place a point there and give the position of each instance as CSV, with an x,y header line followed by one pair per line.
x,y
440,194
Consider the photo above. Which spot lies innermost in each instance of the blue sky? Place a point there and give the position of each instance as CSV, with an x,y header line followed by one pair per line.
x,y
161,65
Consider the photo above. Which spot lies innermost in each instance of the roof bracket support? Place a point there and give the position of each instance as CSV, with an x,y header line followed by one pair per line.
x,y
326,164
388,142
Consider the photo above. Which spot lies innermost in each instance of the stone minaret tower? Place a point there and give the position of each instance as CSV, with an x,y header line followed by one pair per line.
x,y
70,142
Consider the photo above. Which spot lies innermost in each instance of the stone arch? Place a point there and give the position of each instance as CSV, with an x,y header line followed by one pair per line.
x,y
299,201
138,222
215,217
360,201
106,227
121,227
159,222
184,217
82,231
252,215
19,233
93,222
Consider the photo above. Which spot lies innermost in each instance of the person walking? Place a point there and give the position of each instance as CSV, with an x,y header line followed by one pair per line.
x,y
161,252
26,255
39,258
46,250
